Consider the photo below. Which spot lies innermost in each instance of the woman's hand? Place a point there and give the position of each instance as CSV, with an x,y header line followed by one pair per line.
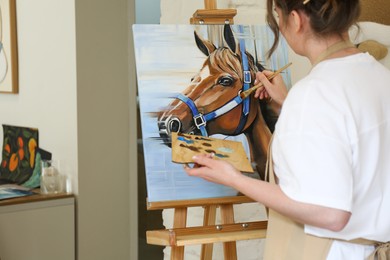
x,y
212,170
275,89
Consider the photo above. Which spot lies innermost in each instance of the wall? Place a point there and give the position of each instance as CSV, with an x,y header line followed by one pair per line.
x,y
103,106
248,11
132,133
74,74
376,11
372,10
147,11
47,48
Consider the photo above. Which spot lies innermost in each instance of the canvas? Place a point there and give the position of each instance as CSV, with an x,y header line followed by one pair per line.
x,y
189,80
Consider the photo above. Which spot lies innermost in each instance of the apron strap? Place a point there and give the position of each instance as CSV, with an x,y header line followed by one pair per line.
x,y
332,50
269,166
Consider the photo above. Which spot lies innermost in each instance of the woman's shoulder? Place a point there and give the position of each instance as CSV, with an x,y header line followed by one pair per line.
x,y
335,75
350,66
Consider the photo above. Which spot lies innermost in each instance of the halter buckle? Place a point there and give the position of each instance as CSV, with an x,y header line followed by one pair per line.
x,y
199,121
247,77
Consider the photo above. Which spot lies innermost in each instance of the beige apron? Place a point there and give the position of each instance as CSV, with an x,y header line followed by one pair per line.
x,y
287,240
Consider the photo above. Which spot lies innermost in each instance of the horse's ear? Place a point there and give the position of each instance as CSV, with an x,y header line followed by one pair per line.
x,y
229,37
204,46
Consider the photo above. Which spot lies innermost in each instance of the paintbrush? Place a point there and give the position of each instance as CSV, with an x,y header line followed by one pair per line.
x,y
247,92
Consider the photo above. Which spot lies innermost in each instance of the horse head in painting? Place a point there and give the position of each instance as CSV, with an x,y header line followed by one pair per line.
x,y
211,104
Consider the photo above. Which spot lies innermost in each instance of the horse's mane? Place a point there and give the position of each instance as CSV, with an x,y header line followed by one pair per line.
x,y
224,60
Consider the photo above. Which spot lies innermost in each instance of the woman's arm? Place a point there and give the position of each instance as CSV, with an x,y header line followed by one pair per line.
x,y
270,195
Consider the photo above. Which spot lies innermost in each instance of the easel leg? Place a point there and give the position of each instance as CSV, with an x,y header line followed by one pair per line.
x,y
227,217
208,219
179,221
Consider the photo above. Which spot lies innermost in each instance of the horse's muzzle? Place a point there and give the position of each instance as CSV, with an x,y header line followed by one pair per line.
x,y
166,126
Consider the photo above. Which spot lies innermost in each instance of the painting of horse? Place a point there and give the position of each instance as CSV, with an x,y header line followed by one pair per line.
x,y
193,86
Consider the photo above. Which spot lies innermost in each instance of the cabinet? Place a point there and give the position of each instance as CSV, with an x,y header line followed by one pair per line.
x,y
38,227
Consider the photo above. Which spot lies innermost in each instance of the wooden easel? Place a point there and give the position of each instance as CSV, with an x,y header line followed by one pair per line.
x,y
212,15
228,232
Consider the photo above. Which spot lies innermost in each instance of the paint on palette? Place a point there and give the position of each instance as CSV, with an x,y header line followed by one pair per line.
x,y
182,138
202,138
198,149
226,150
219,155
192,148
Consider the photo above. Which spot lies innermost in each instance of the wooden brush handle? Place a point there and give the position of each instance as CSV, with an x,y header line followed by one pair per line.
x,y
247,92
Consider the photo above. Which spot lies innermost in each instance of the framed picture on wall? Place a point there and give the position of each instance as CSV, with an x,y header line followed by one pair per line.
x,y
8,47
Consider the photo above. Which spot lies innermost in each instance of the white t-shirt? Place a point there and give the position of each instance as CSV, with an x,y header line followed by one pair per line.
x,y
332,147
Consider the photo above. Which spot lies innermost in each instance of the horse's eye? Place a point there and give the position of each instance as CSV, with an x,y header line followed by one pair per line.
x,y
225,81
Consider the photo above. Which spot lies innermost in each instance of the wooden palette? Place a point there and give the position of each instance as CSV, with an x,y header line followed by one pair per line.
x,y
185,146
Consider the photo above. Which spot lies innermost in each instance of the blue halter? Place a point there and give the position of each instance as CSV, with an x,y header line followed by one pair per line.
x,y
201,120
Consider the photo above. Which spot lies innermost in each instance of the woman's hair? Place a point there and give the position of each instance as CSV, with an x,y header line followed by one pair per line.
x,y
327,17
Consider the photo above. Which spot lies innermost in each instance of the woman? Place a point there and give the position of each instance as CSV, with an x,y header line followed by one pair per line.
x,y
332,190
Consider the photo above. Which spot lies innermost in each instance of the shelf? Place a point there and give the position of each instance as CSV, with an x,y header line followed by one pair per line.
x,y
35,198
